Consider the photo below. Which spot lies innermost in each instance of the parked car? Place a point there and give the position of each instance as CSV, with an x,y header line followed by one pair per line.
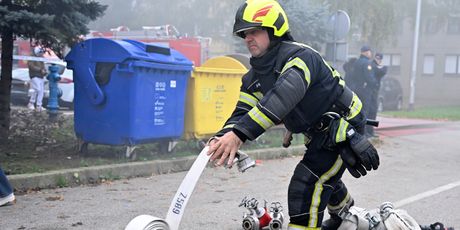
x,y
390,94
21,91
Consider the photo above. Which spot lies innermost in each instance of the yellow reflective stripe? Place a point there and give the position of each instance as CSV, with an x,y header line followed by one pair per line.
x,y
316,198
260,118
341,134
259,95
300,227
341,82
228,126
297,62
355,108
335,73
248,99
341,205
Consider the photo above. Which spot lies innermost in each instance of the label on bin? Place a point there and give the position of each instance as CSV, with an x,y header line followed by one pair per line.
x,y
159,106
160,86
172,84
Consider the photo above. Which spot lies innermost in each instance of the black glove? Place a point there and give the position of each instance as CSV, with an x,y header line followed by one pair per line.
x,y
364,150
356,151
350,161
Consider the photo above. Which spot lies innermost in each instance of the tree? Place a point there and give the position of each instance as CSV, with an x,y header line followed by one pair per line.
x,y
51,24
307,21
374,21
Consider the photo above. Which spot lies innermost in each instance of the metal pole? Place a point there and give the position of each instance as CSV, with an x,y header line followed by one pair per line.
x,y
414,58
335,37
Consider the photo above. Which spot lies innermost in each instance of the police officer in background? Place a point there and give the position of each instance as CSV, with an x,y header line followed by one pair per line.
x,y
362,79
379,71
290,83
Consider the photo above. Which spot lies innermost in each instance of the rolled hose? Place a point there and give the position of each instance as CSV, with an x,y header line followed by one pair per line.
x,y
147,222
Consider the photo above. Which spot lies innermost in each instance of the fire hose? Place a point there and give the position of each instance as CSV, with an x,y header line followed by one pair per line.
x,y
183,194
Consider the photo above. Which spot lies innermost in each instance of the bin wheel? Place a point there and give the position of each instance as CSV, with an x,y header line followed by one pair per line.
x,y
130,152
167,146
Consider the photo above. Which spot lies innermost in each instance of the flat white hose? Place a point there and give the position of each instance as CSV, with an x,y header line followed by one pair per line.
x,y
178,203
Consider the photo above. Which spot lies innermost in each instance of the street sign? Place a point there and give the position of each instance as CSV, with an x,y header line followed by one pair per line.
x,y
339,23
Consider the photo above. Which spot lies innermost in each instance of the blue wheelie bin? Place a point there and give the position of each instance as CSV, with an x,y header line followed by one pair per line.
x,y
128,92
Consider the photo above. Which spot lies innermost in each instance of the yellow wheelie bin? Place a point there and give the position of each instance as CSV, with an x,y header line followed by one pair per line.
x,y
213,91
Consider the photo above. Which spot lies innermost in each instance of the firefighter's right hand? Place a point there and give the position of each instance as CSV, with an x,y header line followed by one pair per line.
x,y
224,148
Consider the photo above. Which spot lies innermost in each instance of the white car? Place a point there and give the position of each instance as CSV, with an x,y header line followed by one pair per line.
x,y
67,87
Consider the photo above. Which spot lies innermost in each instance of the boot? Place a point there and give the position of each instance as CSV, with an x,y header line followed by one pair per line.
x,y
335,220
332,223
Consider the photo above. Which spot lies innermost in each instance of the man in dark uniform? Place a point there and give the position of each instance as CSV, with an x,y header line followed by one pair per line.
x,y
291,84
373,88
363,78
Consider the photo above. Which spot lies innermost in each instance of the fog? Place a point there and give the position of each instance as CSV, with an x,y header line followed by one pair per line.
x,y
386,26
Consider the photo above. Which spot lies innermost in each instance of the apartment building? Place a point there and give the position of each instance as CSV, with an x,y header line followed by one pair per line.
x,y
438,61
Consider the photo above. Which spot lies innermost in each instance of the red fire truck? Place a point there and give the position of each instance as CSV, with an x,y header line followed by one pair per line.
x,y
194,48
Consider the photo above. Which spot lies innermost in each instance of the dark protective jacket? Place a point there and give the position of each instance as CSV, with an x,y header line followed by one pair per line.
x,y
298,88
363,76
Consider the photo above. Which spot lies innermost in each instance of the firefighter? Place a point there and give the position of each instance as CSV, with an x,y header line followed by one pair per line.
x,y
290,83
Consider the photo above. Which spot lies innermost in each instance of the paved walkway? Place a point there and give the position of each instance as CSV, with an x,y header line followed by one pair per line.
x,y
391,122
393,127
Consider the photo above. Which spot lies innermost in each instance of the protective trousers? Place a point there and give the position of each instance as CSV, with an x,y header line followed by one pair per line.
x,y
316,184
371,110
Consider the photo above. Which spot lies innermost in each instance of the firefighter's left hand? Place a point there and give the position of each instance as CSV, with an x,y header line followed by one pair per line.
x,y
224,148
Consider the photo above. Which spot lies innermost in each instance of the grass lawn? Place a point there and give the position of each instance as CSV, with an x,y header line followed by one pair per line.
x,y
451,113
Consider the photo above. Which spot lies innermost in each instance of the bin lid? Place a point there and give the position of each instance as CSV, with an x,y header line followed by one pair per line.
x,y
222,64
118,51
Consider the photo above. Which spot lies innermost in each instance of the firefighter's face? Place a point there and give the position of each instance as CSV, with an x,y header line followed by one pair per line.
x,y
257,41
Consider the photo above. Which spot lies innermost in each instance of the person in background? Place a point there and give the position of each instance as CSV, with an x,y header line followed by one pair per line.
x,y
37,73
379,72
363,79
6,191
290,83
348,68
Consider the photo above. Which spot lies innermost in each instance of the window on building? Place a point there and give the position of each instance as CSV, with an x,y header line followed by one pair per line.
x,y
393,61
396,60
428,64
432,25
452,64
386,59
453,25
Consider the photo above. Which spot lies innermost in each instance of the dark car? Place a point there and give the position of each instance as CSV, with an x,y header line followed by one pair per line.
x,y
390,94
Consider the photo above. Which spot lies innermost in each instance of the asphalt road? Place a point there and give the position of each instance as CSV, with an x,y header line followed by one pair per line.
x,y
419,173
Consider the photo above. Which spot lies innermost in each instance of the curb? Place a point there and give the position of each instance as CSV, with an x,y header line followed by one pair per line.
x,y
95,174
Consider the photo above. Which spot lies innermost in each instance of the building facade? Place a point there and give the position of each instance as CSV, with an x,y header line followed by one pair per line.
x,y
438,61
